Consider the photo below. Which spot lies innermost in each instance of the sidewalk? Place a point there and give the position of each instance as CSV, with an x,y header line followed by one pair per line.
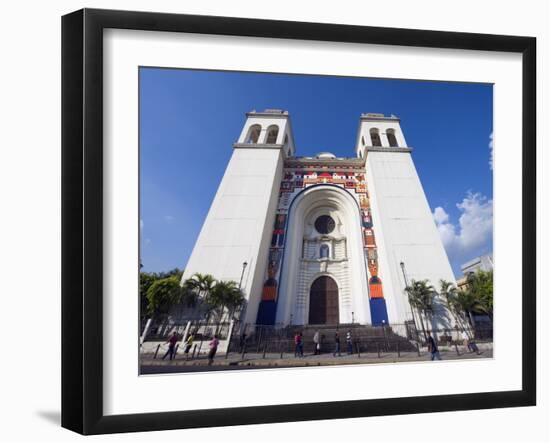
x,y
257,360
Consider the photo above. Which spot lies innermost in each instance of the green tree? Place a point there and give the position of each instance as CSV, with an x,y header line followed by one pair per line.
x,y
225,296
146,279
480,285
455,302
162,294
421,294
198,289
477,297
176,272
157,296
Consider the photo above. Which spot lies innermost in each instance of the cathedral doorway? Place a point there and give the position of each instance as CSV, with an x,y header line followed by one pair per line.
x,y
323,302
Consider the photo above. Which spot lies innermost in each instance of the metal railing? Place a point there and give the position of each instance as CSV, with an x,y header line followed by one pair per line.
x,y
279,341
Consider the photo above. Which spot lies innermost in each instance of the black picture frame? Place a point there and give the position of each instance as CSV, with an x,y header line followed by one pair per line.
x,y
82,218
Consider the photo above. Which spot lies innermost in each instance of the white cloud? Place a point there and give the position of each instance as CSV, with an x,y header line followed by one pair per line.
x,y
440,216
491,147
474,230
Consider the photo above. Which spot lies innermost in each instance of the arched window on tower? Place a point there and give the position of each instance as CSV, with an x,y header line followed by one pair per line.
x,y
324,251
254,134
272,133
285,145
390,133
375,137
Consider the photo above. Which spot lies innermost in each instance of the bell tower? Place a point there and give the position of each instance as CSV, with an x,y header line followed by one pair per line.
x,y
378,131
409,245
269,129
238,226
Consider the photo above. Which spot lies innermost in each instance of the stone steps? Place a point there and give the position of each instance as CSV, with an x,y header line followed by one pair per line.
x,y
366,337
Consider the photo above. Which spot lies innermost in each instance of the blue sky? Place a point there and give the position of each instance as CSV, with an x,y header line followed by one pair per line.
x,y
190,119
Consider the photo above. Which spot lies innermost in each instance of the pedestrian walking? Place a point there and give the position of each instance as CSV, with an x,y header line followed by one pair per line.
x,y
466,340
349,342
336,344
470,344
188,345
432,347
213,348
242,342
316,343
298,349
474,348
171,345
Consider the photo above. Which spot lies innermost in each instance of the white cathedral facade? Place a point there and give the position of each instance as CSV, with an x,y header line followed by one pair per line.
x,y
322,240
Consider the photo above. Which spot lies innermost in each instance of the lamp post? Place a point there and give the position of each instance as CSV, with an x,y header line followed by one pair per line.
x,y
242,274
241,313
404,274
402,264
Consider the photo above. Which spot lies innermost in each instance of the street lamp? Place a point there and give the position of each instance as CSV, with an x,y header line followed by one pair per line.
x,y
241,314
242,274
408,296
404,274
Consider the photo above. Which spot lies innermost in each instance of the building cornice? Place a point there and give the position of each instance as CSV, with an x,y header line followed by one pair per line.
x,y
301,162
365,117
257,146
387,149
267,114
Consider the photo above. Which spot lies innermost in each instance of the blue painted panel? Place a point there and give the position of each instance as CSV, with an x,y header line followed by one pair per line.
x,y
266,313
378,312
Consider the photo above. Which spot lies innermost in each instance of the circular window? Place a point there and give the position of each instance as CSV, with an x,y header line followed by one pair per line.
x,y
324,224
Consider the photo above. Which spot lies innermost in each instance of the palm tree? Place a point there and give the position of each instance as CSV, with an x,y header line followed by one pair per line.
x,y
476,298
225,296
480,286
197,290
461,304
421,298
190,294
450,292
202,283
466,303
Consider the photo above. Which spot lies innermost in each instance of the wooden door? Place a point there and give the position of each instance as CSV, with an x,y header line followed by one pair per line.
x,y
323,302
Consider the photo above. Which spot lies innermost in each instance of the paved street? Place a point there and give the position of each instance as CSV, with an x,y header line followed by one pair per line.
x,y
150,365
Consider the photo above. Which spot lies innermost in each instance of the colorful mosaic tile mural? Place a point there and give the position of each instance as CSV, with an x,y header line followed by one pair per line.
x,y
296,178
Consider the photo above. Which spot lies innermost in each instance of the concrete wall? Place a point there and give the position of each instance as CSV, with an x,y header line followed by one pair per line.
x,y
405,230
239,222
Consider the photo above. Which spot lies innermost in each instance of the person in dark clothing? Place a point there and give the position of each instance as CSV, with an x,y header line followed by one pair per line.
x,y
432,347
349,342
242,342
336,345
298,346
171,346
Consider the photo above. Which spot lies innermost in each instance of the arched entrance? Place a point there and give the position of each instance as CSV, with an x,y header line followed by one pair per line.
x,y
323,302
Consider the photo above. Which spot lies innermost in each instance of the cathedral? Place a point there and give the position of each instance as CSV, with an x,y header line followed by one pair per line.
x,y
322,240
